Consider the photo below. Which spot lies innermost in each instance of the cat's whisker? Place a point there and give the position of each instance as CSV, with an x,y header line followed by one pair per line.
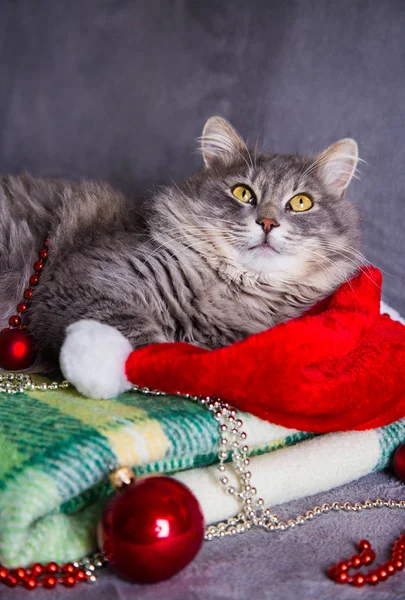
x,y
360,258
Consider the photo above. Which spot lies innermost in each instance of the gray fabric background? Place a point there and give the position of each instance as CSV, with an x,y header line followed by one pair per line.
x,y
120,89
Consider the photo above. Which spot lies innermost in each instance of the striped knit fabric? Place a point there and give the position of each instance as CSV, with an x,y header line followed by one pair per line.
x,y
57,448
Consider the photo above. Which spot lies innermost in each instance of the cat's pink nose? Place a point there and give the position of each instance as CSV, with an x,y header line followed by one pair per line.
x,y
267,224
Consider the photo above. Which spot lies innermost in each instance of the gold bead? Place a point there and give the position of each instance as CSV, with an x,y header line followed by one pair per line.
x,y
121,477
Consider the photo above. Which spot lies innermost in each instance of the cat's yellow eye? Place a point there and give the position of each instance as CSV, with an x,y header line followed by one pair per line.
x,y
300,203
244,194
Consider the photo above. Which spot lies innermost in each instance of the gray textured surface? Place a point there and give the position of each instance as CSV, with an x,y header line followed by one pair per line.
x,y
120,90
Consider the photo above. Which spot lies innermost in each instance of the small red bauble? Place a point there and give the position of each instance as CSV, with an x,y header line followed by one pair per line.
x,y
16,350
399,461
34,279
151,529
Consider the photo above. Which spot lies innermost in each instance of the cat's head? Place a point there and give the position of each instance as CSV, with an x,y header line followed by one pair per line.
x,y
272,217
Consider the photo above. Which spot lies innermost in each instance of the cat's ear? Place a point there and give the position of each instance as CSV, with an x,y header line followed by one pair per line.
x,y
220,142
337,164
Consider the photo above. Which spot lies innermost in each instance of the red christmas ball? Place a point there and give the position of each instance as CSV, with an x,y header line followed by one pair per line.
x,y
399,461
151,529
16,350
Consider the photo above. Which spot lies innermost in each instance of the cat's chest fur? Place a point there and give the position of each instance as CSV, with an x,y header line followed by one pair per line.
x,y
226,311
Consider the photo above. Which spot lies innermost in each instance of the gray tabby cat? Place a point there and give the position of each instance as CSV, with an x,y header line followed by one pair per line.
x,y
252,240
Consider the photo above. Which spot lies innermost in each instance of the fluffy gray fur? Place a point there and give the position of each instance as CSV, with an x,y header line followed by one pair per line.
x,y
197,267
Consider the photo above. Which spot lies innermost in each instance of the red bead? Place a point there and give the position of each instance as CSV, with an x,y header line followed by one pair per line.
x,y
14,321
19,573
16,350
358,580
49,581
372,578
68,568
43,254
22,307
355,561
30,583
342,566
68,581
51,567
382,573
37,569
80,575
389,567
342,577
332,572
368,557
151,529
11,581
28,294
398,564
3,573
364,545
38,266
399,461
34,279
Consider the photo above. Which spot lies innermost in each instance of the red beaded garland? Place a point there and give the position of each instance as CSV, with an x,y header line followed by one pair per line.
x,y
47,576
339,572
16,344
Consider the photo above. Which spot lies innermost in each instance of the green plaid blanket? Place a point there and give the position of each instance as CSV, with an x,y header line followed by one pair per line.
x,y
57,448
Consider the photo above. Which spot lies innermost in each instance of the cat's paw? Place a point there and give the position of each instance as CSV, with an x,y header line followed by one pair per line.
x,y
93,358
